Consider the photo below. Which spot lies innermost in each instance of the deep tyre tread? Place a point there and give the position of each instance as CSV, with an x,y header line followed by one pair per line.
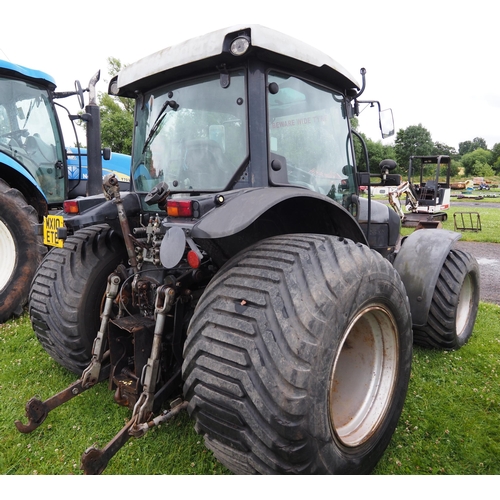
x,y
261,347
453,309
18,219
66,294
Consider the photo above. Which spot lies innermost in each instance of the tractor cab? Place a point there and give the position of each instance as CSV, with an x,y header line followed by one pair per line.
x,y
31,146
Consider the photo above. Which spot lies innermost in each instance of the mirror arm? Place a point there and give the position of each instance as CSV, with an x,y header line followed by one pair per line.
x,y
363,82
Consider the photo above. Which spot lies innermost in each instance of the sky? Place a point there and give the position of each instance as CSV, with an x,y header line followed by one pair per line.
x,y
433,63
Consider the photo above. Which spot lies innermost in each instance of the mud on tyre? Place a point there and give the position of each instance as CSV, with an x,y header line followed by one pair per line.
x,y
67,291
298,357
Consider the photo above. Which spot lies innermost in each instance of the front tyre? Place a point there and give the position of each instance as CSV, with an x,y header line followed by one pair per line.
x,y
67,291
298,357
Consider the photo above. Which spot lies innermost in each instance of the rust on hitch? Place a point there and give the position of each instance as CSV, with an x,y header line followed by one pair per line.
x,y
95,460
37,411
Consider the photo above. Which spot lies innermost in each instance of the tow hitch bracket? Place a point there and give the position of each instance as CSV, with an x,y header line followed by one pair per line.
x,y
95,460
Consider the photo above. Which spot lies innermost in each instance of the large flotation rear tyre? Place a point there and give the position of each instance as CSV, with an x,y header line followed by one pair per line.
x,y
21,250
298,357
454,304
67,293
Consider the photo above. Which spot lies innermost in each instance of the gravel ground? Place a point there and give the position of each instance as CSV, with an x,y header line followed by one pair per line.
x,y
469,204
488,257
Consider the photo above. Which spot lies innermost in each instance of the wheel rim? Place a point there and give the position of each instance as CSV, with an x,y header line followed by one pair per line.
x,y
9,255
363,376
464,305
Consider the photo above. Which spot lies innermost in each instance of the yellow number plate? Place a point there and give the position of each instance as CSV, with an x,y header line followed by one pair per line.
x,y
50,225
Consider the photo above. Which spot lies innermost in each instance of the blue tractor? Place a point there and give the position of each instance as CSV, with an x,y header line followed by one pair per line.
x,y
37,173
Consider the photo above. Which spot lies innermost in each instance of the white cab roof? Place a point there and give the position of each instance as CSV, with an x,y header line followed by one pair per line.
x,y
211,45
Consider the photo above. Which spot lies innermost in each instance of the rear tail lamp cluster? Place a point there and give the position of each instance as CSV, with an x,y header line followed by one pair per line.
x,y
180,208
71,207
175,208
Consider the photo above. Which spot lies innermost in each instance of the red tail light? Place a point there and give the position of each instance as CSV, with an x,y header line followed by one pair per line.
x,y
179,208
71,207
193,259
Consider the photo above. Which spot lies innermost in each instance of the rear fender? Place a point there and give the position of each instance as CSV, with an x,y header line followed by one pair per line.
x,y
260,213
419,264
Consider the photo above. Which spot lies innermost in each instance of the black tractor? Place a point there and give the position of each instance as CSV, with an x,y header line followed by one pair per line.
x,y
243,277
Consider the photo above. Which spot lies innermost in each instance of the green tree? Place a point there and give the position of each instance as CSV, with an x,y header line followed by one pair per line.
x,y
455,168
440,148
415,140
114,67
470,146
482,170
117,125
117,116
495,159
376,153
476,162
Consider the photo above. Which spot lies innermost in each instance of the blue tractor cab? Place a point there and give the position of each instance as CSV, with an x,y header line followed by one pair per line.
x,y
38,172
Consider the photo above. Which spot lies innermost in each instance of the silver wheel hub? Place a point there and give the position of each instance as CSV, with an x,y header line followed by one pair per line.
x,y
464,305
8,254
363,376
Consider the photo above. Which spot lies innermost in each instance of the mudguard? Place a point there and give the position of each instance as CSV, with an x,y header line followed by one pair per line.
x,y
14,165
419,264
241,210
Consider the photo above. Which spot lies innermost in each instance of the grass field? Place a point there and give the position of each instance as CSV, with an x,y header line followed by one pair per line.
x,y
450,420
449,423
93,417
488,217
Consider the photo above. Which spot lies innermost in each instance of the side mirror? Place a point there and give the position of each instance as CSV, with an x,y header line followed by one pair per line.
x,y
79,93
387,165
106,153
347,170
386,122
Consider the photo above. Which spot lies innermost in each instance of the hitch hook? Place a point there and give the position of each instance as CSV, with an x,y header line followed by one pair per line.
x,y
95,460
36,410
